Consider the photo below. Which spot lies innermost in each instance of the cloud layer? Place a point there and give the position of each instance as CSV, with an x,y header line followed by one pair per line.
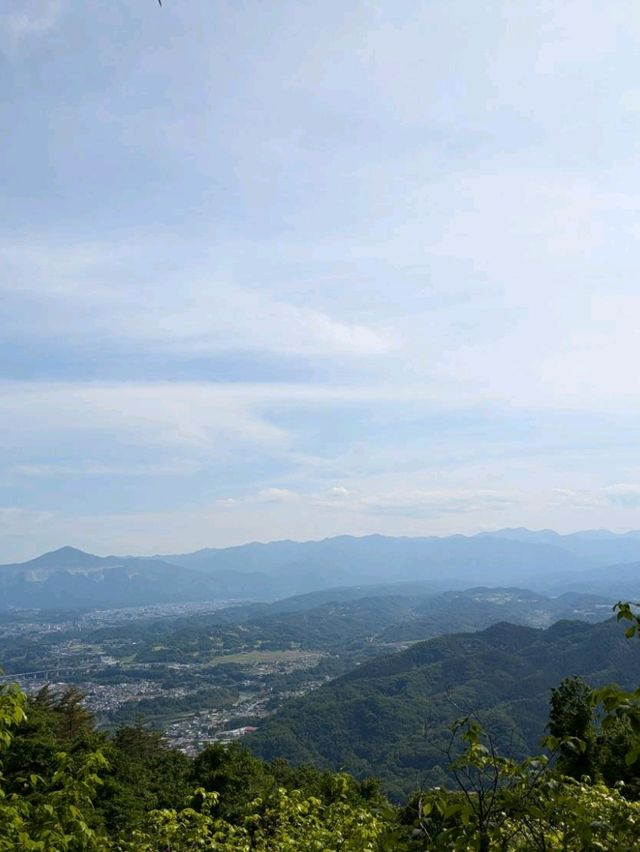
x,y
299,269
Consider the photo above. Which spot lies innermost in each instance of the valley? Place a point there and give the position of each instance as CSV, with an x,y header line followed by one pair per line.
x,y
210,672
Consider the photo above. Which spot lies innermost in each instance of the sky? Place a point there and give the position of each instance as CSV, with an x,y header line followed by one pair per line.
x,y
275,269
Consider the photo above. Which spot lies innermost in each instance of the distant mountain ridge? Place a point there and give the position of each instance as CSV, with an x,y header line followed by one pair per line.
x,y
544,561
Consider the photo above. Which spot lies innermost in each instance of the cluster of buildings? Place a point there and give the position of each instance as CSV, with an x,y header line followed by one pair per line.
x,y
74,660
199,730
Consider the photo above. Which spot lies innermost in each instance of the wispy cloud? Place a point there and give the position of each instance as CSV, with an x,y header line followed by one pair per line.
x,y
627,495
205,417
406,503
29,18
623,495
326,272
102,469
87,292
10,516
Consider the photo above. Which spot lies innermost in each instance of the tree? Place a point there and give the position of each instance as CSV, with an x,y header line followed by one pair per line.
x,y
74,718
236,775
51,812
620,707
571,724
524,806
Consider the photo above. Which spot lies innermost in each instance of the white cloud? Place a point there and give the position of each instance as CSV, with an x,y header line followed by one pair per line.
x,y
338,492
15,516
407,503
209,418
30,18
24,531
276,495
440,502
95,468
75,429
624,495
88,292
182,413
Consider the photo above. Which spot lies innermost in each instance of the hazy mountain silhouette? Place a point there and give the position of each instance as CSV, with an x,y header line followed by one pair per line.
x,y
543,561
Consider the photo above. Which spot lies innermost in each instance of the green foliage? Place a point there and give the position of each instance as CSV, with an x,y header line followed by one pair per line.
x,y
144,774
51,812
235,775
65,787
627,611
509,805
139,799
285,822
571,723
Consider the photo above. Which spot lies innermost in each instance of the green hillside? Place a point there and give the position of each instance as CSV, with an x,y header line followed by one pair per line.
x,y
390,717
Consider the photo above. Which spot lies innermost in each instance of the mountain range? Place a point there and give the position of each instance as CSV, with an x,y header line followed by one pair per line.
x,y
544,561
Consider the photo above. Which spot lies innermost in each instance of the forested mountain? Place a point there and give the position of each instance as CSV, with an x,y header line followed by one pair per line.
x,y
390,717
475,609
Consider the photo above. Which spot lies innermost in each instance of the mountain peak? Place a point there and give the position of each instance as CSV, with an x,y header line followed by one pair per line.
x,y
64,557
66,550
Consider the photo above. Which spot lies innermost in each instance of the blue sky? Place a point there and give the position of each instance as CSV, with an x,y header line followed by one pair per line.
x,y
284,269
